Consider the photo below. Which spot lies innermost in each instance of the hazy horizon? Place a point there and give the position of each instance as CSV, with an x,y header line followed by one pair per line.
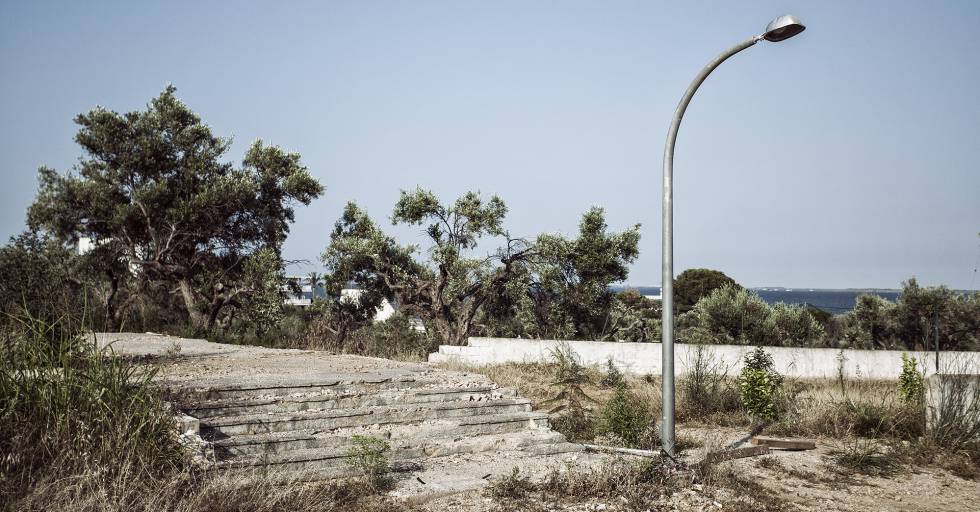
x,y
843,158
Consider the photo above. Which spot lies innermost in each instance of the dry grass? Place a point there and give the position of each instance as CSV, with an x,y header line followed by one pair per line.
x,y
848,411
192,492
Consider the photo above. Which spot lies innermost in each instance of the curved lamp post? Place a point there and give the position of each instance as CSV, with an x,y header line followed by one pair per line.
x,y
779,29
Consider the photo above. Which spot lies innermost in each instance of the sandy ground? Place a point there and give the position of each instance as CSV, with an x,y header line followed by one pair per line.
x,y
805,480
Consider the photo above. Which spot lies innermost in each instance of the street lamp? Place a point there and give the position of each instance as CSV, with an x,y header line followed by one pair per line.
x,y
779,29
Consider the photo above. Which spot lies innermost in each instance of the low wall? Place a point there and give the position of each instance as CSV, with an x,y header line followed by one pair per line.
x,y
644,358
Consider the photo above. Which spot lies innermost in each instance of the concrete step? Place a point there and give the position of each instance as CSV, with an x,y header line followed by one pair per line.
x,y
339,384
341,418
342,399
399,434
320,459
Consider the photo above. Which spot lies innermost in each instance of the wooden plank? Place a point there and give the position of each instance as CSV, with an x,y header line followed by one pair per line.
x,y
737,453
784,444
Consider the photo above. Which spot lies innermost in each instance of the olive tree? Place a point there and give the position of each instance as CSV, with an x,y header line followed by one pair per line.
x,y
448,289
153,187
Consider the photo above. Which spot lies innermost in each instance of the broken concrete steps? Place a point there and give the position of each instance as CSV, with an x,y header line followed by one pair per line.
x,y
309,427
342,399
339,384
542,442
394,434
341,418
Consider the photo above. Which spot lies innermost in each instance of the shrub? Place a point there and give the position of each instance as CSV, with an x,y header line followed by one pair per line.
x,y
613,377
512,486
705,388
732,314
627,418
570,375
367,456
866,456
759,385
394,338
911,384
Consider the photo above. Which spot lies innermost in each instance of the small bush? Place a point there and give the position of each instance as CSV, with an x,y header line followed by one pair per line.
x,y
705,389
954,422
911,384
513,486
575,421
575,424
367,457
866,456
613,377
627,418
759,385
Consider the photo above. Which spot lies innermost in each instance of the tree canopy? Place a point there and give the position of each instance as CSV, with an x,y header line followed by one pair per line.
x,y
153,190
694,283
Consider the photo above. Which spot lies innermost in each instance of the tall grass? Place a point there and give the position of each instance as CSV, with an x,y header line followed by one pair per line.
x,y
68,408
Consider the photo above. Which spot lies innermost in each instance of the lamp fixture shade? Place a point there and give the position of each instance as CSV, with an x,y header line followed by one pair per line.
x,y
783,27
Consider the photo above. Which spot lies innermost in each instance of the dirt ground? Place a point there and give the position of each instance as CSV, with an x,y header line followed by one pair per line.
x,y
802,480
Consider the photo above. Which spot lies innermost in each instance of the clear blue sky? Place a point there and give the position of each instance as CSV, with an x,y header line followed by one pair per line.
x,y
845,157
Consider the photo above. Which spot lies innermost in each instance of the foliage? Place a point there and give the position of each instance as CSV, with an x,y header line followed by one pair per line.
x,y
792,326
68,408
914,320
731,314
262,287
954,423
571,401
41,277
613,377
866,456
397,337
705,388
911,383
633,317
570,294
759,385
627,418
153,191
449,290
511,486
693,284
366,456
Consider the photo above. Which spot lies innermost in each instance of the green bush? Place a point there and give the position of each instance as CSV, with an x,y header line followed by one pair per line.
x,y
627,418
911,384
759,385
367,457
734,315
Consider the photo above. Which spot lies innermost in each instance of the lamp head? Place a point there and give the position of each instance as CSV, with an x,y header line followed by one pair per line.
x,y
782,28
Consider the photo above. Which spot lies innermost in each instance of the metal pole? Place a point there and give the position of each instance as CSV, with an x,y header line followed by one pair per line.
x,y
667,286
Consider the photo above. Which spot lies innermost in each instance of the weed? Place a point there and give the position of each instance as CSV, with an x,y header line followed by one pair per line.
x,y
68,408
705,388
628,419
570,375
867,457
367,456
613,377
512,486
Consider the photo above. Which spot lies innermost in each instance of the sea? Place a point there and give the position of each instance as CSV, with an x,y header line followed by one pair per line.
x,y
831,301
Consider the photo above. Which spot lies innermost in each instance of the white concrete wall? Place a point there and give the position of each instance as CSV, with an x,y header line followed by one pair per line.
x,y
644,358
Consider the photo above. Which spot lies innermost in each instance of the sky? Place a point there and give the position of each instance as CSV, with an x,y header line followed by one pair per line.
x,y
845,157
